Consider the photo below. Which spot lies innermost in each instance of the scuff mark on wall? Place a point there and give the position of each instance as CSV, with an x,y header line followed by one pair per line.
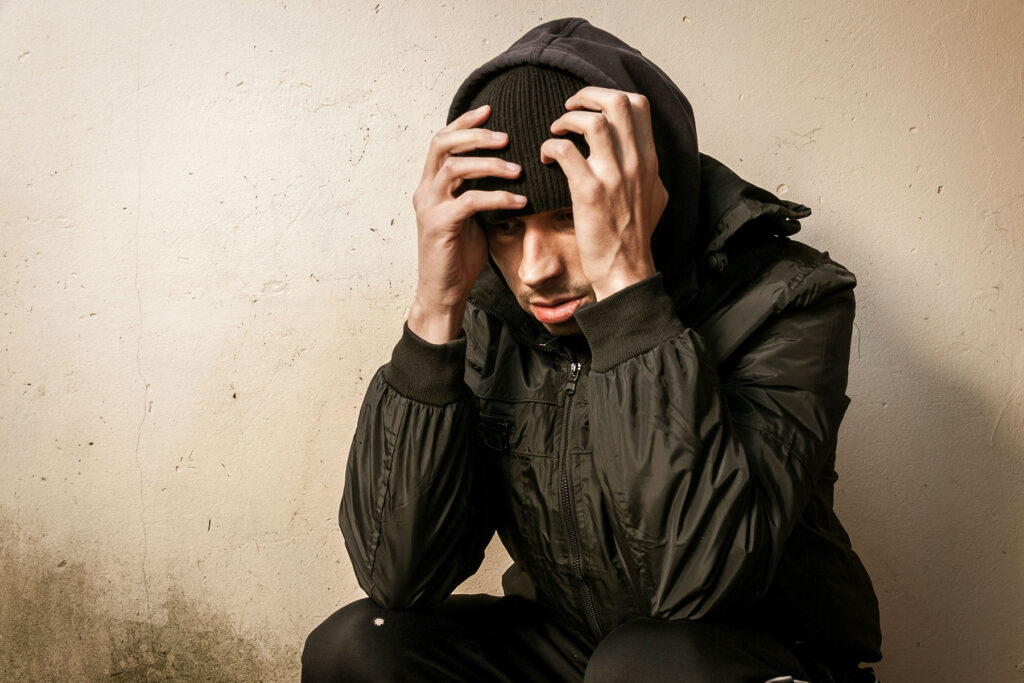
x,y
54,626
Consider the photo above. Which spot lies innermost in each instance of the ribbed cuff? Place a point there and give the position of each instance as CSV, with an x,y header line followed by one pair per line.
x,y
425,372
628,323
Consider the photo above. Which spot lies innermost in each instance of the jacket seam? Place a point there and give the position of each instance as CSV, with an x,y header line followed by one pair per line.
x,y
799,277
775,438
537,51
378,528
508,401
421,401
570,28
642,350
538,48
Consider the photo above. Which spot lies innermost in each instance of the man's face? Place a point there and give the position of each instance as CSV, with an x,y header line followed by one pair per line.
x,y
538,258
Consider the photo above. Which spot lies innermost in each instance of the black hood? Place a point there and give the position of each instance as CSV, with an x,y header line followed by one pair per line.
x,y
699,214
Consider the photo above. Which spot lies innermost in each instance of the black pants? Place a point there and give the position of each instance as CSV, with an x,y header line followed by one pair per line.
x,y
480,638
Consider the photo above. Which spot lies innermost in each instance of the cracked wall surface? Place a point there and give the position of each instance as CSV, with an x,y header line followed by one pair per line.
x,y
207,249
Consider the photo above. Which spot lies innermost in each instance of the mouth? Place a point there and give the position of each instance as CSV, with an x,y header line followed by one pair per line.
x,y
554,312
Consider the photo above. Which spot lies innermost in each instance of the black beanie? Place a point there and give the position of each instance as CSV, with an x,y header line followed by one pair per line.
x,y
525,100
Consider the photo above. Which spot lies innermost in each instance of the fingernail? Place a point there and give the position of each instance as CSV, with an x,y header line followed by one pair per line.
x,y
519,199
510,166
480,108
497,135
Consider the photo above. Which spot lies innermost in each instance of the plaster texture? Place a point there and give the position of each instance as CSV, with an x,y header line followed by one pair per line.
x,y
207,248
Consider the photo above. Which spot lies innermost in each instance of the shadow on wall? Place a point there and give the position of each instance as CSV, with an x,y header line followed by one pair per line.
x,y
937,504
53,627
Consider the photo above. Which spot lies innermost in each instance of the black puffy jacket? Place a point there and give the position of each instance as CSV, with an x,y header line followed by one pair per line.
x,y
676,460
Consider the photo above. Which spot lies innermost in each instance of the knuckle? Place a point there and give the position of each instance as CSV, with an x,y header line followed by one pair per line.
x,y
449,166
640,101
662,195
620,100
561,146
435,142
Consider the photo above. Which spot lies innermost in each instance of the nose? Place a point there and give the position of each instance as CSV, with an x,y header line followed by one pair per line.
x,y
541,259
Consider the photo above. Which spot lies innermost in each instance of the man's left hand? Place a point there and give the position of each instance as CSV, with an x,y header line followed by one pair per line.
x,y
617,196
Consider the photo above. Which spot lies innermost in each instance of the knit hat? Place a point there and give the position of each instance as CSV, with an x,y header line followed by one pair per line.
x,y
525,100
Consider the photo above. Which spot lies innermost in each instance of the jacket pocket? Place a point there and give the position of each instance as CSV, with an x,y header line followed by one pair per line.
x,y
525,495
493,432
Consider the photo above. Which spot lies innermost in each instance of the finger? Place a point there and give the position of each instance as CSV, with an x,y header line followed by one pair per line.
x,y
444,144
470,119
616,105
642,128
595,129
568,156
627,112
459,141
456,169
474,201
461,135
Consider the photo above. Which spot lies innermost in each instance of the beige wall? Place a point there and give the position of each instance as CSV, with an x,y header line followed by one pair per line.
x,y
206,249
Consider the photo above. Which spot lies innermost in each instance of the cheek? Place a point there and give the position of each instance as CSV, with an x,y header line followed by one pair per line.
x,y
573,263
507,259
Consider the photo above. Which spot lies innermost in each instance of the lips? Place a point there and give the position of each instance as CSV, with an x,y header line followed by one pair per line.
x,y
556,311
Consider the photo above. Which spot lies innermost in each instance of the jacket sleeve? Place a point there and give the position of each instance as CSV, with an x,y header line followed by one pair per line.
x,y
707,469
413,510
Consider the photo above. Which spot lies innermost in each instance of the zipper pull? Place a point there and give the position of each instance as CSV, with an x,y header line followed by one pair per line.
x,y
574,375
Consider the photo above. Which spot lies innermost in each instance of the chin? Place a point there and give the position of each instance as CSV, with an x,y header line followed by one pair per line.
x,y
569,327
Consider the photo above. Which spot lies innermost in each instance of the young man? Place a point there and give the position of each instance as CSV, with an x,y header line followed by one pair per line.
x,y
619,361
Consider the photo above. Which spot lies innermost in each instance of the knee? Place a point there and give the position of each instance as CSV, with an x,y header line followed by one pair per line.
x,y
614,660
693,651
348,646
643,646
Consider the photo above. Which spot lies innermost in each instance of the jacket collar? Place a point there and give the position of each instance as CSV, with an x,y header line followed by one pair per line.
x,y
728,203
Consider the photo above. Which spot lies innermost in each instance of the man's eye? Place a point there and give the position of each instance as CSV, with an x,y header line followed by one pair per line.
x,y
505,228
565,216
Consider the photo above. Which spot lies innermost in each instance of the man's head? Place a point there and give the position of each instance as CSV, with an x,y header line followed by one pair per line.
x,y
534,247
596,58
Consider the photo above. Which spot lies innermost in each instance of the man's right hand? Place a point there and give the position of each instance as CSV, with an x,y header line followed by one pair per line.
x,y
452,249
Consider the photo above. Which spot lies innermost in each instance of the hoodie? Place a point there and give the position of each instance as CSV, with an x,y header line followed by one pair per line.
x,y
601,59
675,461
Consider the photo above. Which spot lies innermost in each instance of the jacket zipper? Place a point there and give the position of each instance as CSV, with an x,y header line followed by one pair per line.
x,y
575,556
575,559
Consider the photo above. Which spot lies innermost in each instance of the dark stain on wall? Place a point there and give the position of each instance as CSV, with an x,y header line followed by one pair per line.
x,y
53,627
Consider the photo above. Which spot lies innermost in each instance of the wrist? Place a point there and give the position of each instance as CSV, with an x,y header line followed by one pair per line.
x,y
632,322
437,324
617,280
425,372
